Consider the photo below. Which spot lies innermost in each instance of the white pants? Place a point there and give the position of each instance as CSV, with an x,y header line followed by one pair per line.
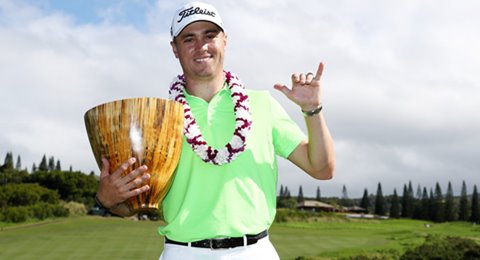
x,y
263,250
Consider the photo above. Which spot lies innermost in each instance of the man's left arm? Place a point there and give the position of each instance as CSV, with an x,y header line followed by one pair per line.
x,y
316,156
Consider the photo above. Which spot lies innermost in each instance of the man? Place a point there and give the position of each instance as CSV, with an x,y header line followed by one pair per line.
x,y
222,200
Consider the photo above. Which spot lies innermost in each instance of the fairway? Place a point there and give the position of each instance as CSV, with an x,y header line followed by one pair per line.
x,y
116,238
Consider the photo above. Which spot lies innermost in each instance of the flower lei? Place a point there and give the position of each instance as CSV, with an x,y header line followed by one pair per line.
x,y
243,122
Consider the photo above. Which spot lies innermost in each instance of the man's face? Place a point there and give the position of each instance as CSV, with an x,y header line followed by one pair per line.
x,y
200,48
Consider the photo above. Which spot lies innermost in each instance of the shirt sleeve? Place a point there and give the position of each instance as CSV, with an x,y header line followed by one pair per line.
x,y
286,134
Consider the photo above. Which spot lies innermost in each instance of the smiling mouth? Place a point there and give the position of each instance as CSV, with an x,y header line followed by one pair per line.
x,y
203,59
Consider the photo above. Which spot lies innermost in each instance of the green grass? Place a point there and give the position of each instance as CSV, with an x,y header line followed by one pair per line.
x,y
115,238
333,239
82,238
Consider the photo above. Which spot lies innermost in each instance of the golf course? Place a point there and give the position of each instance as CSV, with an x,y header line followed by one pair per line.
x,y
91,237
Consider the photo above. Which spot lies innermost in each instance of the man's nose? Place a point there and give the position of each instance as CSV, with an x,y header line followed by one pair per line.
x,y
201,45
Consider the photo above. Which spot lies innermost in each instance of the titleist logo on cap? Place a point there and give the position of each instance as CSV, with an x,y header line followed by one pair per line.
x,y
191,11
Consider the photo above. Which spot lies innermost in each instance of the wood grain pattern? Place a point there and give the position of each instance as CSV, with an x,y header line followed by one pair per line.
x,y
149,129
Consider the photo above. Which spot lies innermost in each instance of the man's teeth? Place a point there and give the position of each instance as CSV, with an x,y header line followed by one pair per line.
x,y
202,59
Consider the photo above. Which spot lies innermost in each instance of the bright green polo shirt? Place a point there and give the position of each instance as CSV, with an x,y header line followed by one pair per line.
x,y
209,201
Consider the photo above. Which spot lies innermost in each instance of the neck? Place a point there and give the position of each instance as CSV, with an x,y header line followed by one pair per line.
x,y
205,88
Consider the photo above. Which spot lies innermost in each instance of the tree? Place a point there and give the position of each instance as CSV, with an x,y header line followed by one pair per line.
x,y
412,200
450,210
424,205
18,165
407,203
43,164
57,166
287,193
475,212
395,208
71,186
300,194
410,189
8,162
438,209
419,192
34,167
282,192
365,202
345,201
431,205
380,201
463,211
318,193
51,164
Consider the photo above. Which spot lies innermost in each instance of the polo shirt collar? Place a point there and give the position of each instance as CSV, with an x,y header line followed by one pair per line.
x,y
225,90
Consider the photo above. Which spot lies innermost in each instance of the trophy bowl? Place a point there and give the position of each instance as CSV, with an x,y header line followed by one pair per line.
x,y
149,129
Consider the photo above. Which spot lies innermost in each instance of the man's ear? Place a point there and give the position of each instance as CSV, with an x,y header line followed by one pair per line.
x,y
174,48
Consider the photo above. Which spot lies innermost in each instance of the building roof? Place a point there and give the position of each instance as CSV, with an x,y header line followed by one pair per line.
x,y
314,204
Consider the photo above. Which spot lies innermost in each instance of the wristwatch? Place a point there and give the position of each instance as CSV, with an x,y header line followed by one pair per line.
x,y
312,112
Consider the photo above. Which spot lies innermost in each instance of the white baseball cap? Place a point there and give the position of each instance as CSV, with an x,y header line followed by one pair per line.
x,y
194,12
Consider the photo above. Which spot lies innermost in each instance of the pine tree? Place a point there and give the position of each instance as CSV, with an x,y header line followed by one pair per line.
x,y
410,189
407,202
34,168
438,209
282,192
18,165
43,164
318,193
8,162
450,210
424,206
58,167
51,164
463,211
287,193
413,200
380,201
345,200
395,208
365,202
431,205
475,212
419,192
300,194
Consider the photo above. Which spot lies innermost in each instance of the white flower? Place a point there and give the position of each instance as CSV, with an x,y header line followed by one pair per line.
x,y
201,150
222,156
236,142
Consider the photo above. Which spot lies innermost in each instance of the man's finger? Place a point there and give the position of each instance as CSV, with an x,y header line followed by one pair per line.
x,y
138,181
319,71
105,168
282,88
137,191
124,167
134,174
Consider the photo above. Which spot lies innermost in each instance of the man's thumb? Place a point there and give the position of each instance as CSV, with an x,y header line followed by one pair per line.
x,y
282,88
105,168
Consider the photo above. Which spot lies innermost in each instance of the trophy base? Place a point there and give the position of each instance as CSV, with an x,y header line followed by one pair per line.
x,y
144,209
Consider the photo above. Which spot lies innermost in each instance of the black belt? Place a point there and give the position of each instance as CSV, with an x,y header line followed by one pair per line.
x,y
229,242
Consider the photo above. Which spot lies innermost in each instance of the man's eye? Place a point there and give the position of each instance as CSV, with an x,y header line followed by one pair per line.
x,y
211,35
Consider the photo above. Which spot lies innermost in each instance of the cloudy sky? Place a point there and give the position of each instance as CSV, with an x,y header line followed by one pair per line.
x,y
401,84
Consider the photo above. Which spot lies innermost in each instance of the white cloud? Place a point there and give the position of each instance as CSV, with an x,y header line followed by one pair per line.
x,y
401,85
